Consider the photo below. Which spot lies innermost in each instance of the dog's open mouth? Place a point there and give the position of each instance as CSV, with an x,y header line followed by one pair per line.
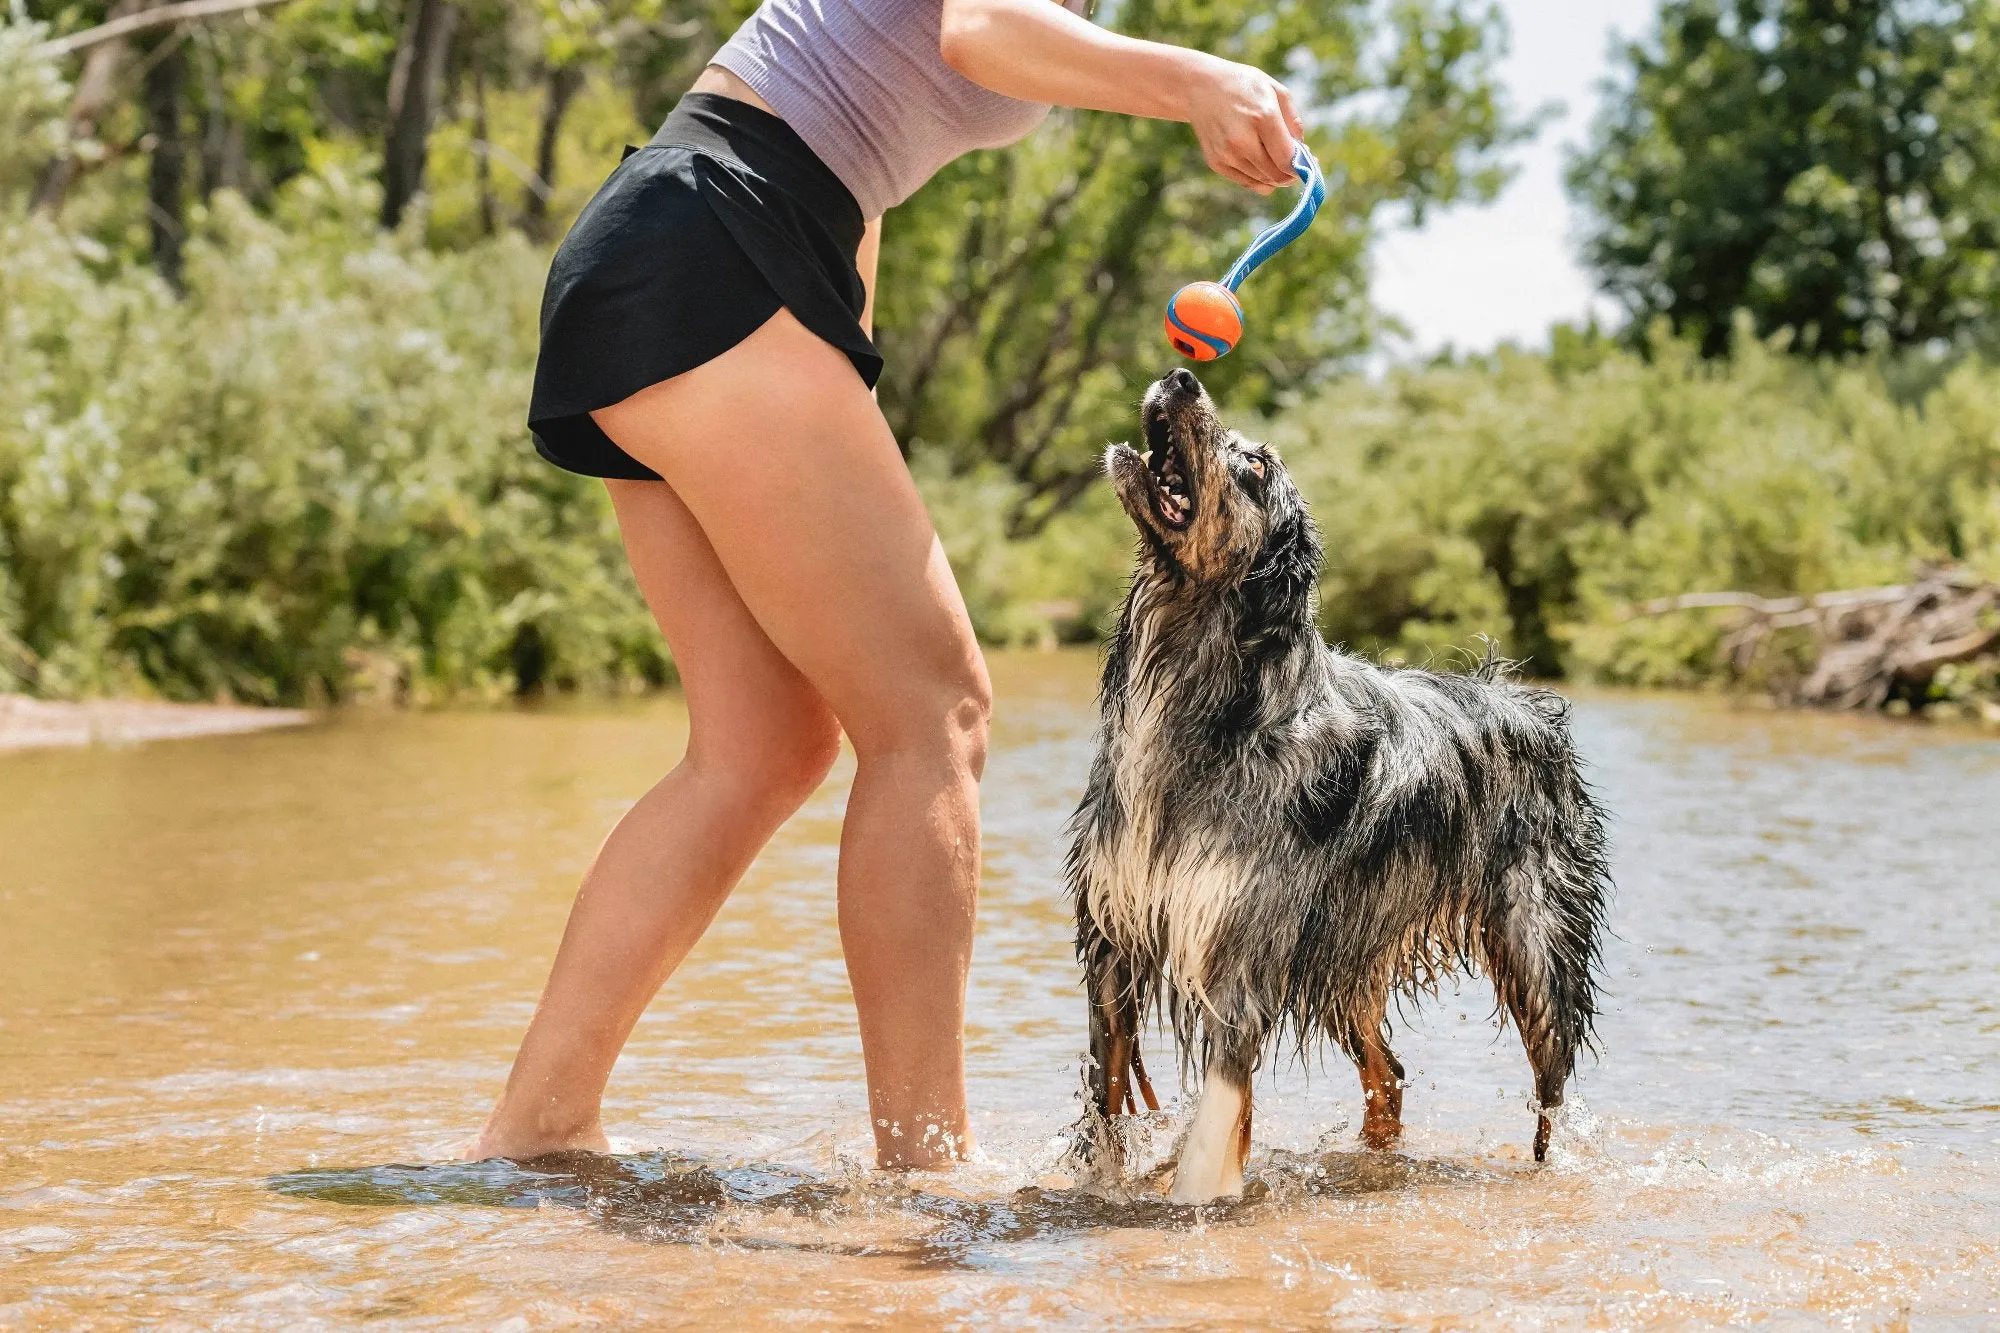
x,y
1173,497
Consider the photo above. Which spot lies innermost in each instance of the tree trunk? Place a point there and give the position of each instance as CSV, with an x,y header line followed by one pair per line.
x,y
225,156
94,89
482,165
561,87
166,176
414,87
224,159
1896,260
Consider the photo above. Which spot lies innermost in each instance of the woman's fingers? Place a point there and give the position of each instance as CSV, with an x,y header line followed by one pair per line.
x,y
1245,121
1293,121
1263,142
1277,146
1226,158
1261,151
1231,168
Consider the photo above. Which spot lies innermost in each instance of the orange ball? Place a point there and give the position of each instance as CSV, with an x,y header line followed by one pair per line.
x,y
1204,320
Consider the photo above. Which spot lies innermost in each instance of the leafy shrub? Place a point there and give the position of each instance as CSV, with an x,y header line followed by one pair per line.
x,y
1535,498
310,478
32,96
312,466
1559,498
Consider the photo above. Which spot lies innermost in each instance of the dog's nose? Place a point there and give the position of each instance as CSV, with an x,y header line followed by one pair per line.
x,y
1184,380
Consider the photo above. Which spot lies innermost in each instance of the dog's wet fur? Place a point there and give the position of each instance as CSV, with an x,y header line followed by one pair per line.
x,y
1278,837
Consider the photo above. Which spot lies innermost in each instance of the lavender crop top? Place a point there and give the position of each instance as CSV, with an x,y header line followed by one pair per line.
x,y
862,82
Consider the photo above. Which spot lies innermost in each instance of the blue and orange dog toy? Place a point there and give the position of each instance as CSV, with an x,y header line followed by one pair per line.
x,y
1205,320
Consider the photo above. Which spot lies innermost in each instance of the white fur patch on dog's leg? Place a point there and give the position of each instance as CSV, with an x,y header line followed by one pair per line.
x,y
1211,1165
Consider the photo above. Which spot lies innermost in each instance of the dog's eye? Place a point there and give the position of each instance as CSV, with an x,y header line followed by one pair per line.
x,y
1257,466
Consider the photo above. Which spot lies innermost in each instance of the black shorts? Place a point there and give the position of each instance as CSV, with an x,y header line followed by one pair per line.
x,y
688,248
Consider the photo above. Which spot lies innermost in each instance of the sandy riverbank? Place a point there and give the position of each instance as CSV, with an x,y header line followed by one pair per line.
x,y
27,724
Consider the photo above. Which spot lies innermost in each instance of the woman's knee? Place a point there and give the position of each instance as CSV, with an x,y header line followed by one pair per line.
x,y
970,722
773,763
943,717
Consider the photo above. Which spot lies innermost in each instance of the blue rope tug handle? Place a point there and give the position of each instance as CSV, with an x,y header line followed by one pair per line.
x,y
1281,234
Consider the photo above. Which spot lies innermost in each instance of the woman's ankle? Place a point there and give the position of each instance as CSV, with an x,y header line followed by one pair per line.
x,y
518,1140
935,1148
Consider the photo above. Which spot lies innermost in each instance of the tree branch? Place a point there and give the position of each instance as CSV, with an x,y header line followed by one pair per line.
x,y
1765,606
162,17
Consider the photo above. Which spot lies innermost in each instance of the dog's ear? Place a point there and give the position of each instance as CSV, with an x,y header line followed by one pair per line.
x,y
1279,589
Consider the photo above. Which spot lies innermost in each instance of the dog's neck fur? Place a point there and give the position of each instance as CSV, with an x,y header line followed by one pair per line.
x,y
1217,653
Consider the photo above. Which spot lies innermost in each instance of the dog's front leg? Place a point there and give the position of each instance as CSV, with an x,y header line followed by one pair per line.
x,y
1218,1143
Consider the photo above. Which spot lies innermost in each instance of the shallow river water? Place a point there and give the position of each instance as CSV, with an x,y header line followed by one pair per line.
x,y
250,986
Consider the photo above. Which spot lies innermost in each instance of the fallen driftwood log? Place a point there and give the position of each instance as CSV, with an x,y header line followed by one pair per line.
x,y
1873,644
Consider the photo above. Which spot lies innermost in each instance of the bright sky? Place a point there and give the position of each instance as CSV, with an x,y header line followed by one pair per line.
x,y
1474,277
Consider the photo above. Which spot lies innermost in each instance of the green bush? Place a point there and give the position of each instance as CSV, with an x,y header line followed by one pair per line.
x,y
309,478
32,97
310,472
1535,499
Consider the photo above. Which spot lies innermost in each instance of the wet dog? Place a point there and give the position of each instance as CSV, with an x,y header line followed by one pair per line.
x,y
1278,837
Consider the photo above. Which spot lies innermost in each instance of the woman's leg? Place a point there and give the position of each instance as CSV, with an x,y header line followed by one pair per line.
x,y
760,740
783,458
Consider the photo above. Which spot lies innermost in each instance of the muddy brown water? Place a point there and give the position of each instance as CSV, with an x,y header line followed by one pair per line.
x,y
251,986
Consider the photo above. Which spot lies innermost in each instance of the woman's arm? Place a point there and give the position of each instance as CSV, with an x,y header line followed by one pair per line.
x,y
1041,52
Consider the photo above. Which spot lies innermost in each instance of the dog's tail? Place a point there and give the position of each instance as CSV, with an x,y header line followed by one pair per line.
x,y
1543,930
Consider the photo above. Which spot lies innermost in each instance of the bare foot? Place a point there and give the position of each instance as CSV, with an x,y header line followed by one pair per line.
x,y
519,1145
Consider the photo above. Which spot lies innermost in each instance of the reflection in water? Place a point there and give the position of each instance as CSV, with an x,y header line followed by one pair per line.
x,y
241,974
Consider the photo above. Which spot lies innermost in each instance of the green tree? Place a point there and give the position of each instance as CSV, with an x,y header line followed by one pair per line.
x,y
1832,167
1022,292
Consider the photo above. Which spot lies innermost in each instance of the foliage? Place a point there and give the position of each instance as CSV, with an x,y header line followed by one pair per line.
x,y
1022,292
308,476
1534,498
312,472
309,473
32,93
1830,166
277,93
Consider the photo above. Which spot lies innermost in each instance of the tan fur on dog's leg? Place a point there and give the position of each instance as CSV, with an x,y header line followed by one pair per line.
x,y
1139,1077
1114,1045
1211,1165
1381,1094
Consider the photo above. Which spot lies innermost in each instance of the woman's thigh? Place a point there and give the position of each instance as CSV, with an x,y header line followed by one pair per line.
x,y
782,457
748,706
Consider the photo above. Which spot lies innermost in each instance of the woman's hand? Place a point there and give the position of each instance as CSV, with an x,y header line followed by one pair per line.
x,y
1041,52
1246,123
